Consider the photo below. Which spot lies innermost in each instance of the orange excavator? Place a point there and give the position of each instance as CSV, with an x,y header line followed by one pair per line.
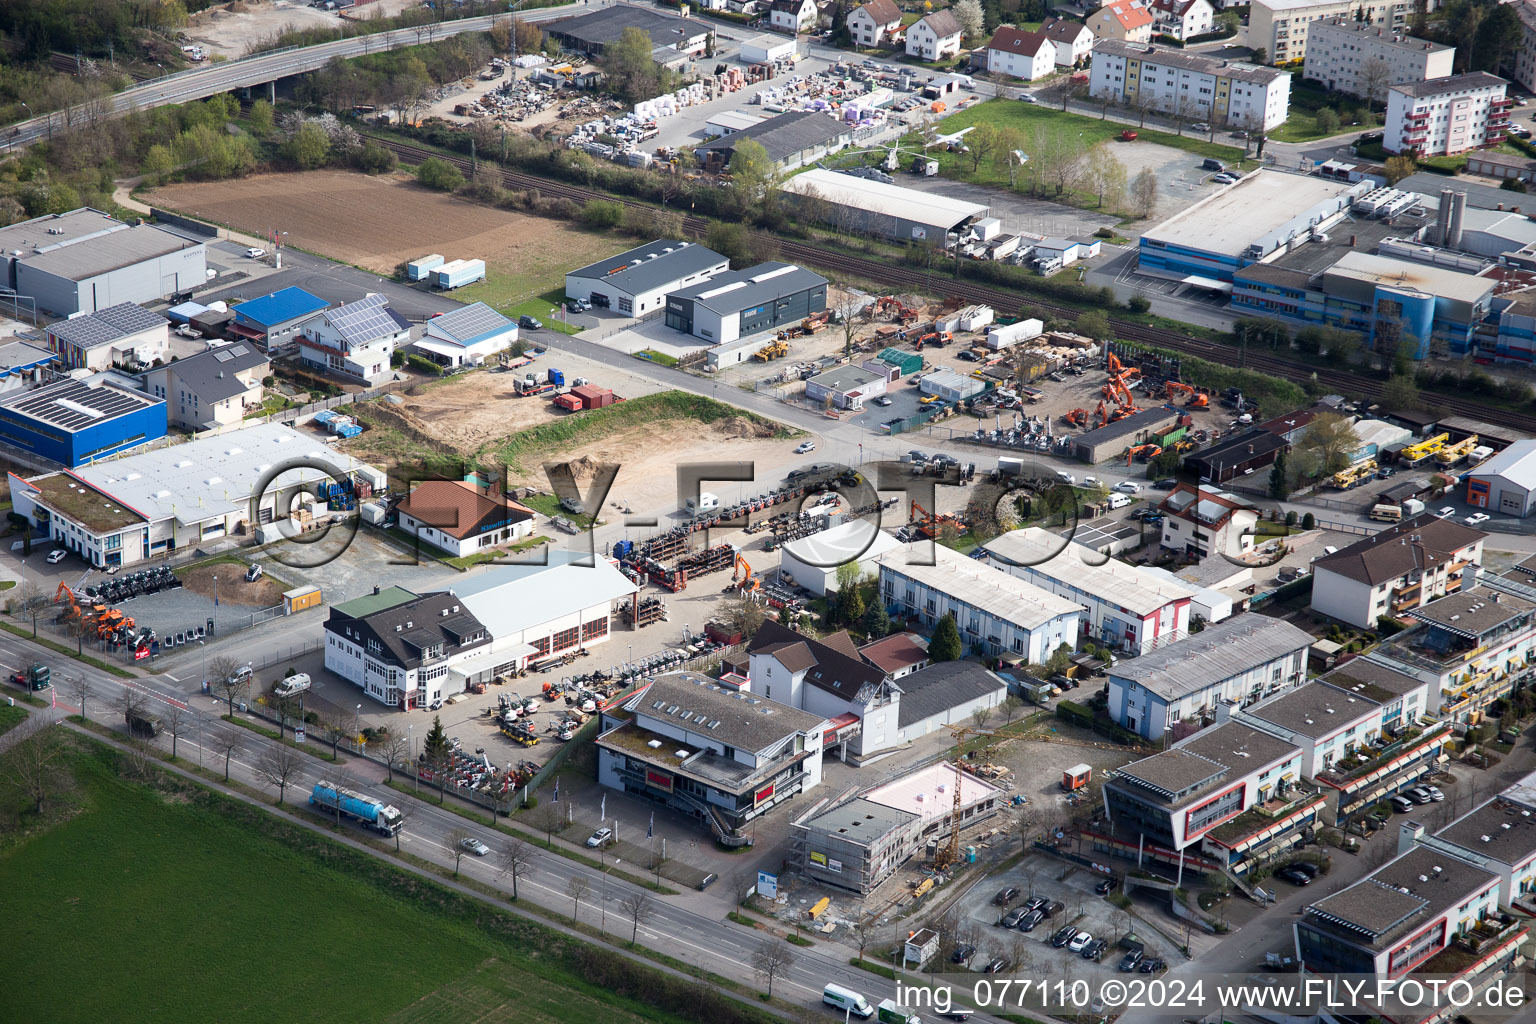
x,y
1076,418
1102,413
1143,451
1197,399
926,524
1114,365
743,578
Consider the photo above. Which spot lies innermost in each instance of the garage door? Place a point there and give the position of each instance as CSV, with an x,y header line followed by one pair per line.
x,y
1512,502
599,299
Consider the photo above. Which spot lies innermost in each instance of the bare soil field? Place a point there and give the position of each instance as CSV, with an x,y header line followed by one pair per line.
x,y
233,28
380,222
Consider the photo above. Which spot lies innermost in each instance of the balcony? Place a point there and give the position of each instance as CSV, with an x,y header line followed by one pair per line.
x,y
1419,115
1503,104
1357,765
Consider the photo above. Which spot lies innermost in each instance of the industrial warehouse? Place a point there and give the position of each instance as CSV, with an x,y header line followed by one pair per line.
x,y
875,208
740,303
160,502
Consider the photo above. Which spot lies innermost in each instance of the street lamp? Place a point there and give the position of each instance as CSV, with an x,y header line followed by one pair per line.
x,y
202,653
215,606
357,719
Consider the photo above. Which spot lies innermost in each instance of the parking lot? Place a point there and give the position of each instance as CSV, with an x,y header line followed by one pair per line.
x,y
1075,904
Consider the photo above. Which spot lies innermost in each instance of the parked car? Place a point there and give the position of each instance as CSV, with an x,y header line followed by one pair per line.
x,y
1053,908
1152,964
255,253
599,838
1224,179
883,400
1095,949
1308,868
529,323
804,447
1294,875
962,953
1030,920
1035,902
1166,485
1200,126
1029,97
1127,487
1131,960
968,356
995,965
1013,917
1477,519
1063,936
1401,804
1435,793
1445,513
1080,942
1005,896
1419,795
1107,886
474,846
56,556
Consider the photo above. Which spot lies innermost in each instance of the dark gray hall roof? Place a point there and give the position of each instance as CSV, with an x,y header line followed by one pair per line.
x,y
937,688
743,289
106,325
652,265
785,134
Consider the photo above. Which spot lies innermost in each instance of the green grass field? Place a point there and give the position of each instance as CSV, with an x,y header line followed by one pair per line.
x,y
537,285
182,906
10,717
1077,131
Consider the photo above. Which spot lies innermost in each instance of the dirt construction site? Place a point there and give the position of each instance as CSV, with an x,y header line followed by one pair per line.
x,y
232,29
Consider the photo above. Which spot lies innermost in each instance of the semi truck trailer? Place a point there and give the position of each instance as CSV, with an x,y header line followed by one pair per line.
x,y
367,812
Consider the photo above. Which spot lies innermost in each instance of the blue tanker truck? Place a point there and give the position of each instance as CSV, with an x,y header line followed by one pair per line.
x,y
367,812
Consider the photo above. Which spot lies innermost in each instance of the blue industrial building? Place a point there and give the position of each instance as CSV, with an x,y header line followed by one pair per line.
x,y
18,359
74,422
273,321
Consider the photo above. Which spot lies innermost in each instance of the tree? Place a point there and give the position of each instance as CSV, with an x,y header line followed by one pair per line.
x,y
30,596
1400,392
982,143
436,752
743,615
34,759
438,173
158,163
865,931
81,689
1106,174
1400,167
548,819
1375,76
1012,705
752,172
972,19
631,72
729,240
945,645
280,767
457,837
526,36
334,731
603,214
876,622
1327,444
1144,193
981,716
773,956
1094,324
577,889
639,906
394,749
226,742
1279,483
516,857
1327,121
224,677
176,719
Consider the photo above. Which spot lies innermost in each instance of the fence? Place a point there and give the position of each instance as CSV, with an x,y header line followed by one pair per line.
x,y
197,227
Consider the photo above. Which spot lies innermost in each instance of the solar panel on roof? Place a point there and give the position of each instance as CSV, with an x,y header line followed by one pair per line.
x,y
363,320
469,322
222,356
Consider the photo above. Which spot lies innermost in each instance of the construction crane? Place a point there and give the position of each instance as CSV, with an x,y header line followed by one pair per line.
x,y
1414,454
949,853
1354,476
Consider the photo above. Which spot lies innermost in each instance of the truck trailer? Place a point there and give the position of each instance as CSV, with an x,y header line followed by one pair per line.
x,y
369,813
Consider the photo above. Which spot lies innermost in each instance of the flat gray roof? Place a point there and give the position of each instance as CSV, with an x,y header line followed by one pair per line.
x,y
1374,912
1501,829
1170,58
1315,710
87,258
1238,215
1449,84
1472,612
1173,772
652,265
55,230
1240,747
1373,679
784,135
732,717
1218,652
743,289
860,821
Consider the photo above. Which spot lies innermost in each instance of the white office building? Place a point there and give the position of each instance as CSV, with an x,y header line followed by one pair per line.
x,y
1198,88
1350,56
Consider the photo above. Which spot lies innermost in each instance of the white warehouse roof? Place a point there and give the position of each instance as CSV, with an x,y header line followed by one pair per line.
x,y
829,548
878,197
512,598
1517,464
1090,572
213,477
981,586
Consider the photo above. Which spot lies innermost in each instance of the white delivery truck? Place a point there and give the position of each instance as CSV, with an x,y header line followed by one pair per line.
x,y
705,502
847,1000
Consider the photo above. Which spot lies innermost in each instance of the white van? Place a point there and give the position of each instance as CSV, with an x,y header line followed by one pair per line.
x,y
847,999
1119,500
293,685
705,502
1387,513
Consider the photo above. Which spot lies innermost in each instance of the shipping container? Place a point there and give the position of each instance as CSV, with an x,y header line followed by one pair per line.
x,y
458,274
1008,335
301,599
417,270
569,402
374,512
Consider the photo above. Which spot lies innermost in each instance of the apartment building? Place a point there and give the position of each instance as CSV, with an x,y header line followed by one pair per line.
x,y
1242,661
1403,567
1199,88
1447,116
1183,19
1073,41
1471,648
1128,21
1499,835
1281,27
876,23
1364,59
1224,798
1199,522
1126,608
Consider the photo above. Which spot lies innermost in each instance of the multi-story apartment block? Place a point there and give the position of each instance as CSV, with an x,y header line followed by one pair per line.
x,y
1363,60
1221,799
1499,835
1183,19
1241,660
1522,66
1281,27
1195,87
1126,608
1401,918
1471,648
1403,567
1447,116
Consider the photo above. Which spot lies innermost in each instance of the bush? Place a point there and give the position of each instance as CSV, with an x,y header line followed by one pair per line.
x,y
439,174
602,213
1138,303
1309,522
422,364
375,159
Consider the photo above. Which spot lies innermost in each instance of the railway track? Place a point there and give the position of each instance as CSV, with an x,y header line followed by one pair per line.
x,y
897,275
